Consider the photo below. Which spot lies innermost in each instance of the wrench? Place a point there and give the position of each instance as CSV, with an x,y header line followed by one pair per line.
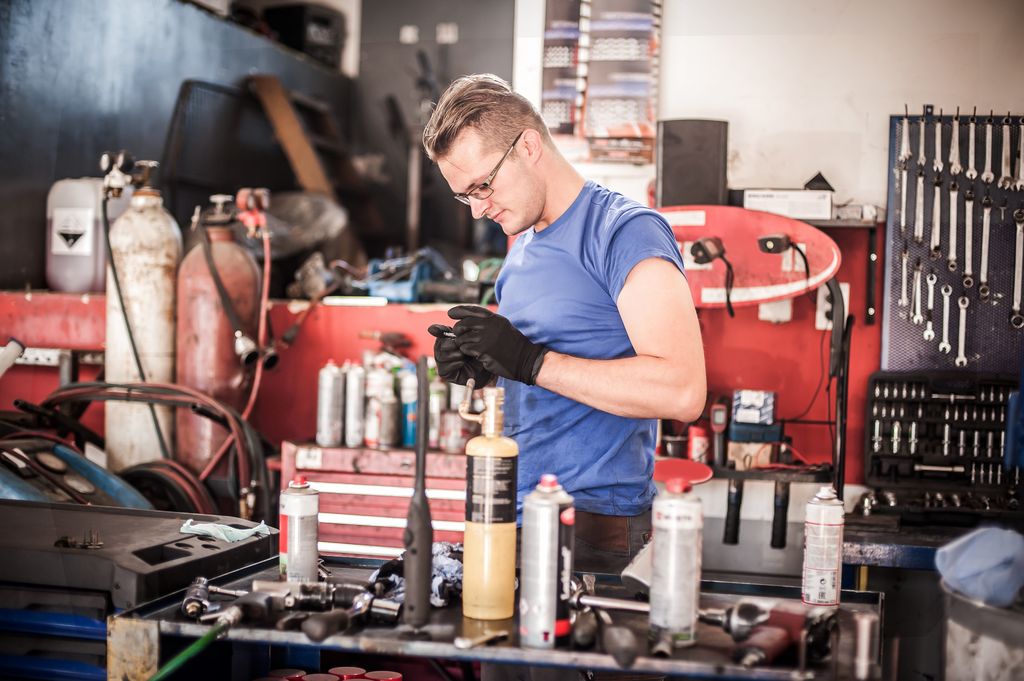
x,y
971,172
903,302
961,357
1006,177
1019,184
919,207
921,123
929,332
903,198
968,238
986,223
1016,320
937,163
954,192
936,245
954,146
987,175
905,154
917,318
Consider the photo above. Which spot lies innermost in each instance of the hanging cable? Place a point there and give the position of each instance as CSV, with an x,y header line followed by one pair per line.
x,y
164,451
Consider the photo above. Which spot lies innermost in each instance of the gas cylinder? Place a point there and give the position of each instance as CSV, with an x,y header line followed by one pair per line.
x,y
76,244
489,557
146,247
208,359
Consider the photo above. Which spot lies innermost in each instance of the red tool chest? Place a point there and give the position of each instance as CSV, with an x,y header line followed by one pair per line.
x,y
364,495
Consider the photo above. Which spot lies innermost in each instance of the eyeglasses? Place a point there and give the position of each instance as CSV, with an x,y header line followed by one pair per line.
x,y
484,189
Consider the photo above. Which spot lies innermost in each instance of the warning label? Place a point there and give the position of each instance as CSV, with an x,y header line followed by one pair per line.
x,y
491,489
71,231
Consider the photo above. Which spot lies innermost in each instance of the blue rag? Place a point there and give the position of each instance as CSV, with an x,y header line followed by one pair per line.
x,y
986,565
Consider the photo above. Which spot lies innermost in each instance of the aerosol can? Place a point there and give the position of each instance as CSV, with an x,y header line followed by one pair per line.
x,y
823,548
355,394
299,531
678,522
489,558
545,573
408,389
330,400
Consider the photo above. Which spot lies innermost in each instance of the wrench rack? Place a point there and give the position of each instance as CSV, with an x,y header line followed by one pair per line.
x,y
935,441
993,330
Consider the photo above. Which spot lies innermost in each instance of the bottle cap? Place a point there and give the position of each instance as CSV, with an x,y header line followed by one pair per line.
x,y
548,481
678,485
299,481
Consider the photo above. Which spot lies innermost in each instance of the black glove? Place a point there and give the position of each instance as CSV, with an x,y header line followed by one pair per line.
x,y
501,348
452,365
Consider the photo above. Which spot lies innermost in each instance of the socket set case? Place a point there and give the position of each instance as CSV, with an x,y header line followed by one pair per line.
x,y
935,442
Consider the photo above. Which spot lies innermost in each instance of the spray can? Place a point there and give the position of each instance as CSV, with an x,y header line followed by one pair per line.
x,y
390,435
436,405
678,522
330,398
408,387
823,548
378,383
489,556
546,571
299,531
355,392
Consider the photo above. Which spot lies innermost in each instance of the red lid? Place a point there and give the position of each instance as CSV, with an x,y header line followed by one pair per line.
x,y
299,481
290,674
549,481
348,672
677,486
319,677
568,516
384,676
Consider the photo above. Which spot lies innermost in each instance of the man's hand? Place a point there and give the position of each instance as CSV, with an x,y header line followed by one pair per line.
x,y
452,365
500,347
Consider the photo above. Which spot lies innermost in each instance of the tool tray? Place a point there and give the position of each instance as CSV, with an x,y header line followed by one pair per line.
x,y
953,422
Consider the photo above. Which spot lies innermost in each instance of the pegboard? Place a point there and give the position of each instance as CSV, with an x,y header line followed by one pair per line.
x,y
992,343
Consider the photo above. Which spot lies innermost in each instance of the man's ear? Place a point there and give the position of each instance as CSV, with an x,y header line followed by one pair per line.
x,y
533,145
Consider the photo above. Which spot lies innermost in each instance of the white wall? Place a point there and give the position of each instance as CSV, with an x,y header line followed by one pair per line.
x,y
809,86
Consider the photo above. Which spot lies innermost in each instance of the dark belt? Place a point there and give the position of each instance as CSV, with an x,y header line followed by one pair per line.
x,y
610,532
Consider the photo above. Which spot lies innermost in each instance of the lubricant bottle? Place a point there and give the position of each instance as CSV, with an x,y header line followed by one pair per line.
x,y
823,548
545,573
677,519
489,558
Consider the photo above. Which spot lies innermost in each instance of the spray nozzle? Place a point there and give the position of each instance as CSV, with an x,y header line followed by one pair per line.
x,y
246,349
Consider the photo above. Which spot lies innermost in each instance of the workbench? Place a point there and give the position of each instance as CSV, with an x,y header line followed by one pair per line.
x,y
141,639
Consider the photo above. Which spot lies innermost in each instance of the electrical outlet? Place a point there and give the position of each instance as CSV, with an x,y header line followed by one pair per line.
x,y
821,321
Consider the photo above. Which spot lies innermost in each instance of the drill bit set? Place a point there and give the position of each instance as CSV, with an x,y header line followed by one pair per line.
x,y
938,441
955,242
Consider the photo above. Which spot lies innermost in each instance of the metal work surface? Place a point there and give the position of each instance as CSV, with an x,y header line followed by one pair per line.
x,y
710,657
912,548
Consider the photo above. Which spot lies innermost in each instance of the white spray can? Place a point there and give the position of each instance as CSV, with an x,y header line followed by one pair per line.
x,y
299,531
823,548
330,399
355,393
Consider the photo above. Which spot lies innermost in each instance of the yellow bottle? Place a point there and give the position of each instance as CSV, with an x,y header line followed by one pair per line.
x,y
489,555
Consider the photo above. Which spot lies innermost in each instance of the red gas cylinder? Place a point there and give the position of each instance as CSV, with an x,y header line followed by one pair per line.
x,y
216,352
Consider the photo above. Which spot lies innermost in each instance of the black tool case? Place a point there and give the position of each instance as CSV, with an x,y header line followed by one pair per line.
x,y
933,448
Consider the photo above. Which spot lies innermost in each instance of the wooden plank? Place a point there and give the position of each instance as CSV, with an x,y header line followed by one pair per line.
x,y
291,135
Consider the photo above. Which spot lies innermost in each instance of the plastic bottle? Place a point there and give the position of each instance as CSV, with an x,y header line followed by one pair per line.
x,y
76,245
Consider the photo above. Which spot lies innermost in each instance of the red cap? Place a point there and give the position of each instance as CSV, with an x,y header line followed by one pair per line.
x,y
299,481
290,674
548,481
384,676
568,516
677,485
319,677
348,672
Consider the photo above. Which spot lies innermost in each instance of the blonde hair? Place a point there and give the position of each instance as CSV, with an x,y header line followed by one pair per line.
x,y
485,103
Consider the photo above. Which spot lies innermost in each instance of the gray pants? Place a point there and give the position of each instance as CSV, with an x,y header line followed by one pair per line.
x,y
604,544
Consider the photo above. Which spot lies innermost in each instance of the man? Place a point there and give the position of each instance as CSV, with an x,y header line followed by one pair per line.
x,y
596,335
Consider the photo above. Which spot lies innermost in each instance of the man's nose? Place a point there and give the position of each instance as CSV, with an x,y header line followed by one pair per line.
x,y
479,207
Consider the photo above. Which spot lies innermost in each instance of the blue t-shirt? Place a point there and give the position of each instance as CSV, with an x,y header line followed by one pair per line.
x,y
559,287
